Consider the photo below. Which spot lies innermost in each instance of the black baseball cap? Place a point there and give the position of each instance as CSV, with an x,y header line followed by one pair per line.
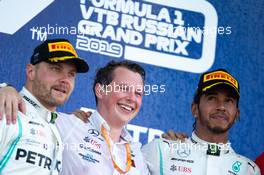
x,y
216,78
58,50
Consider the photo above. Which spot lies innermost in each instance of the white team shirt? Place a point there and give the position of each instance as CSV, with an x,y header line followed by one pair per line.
x,y
86,151
39,148
193,157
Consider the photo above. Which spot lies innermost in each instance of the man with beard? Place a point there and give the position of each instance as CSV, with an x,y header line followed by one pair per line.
x,y
33,145
103,146
208,152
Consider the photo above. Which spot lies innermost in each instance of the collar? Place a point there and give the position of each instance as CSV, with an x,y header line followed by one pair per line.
x,y
97,121
222,148
34,104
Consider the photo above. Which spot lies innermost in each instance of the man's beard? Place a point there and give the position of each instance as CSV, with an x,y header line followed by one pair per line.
x,y
215,129
43,94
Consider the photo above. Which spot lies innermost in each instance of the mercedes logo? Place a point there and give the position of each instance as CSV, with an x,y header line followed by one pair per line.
x,y
93,132
184,152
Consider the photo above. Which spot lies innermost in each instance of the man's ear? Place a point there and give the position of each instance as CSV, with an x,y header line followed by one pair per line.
x,y
237,115
30,71
194,109
99,90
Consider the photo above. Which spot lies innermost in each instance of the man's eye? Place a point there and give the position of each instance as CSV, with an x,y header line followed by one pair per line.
x,y
211,98
139,94
72,74
230,100
55,68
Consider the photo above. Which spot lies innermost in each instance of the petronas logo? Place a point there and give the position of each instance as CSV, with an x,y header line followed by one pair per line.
x,y
236,166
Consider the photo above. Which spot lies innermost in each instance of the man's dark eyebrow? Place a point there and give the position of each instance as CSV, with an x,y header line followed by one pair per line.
x,y
210,93
55,64
229,94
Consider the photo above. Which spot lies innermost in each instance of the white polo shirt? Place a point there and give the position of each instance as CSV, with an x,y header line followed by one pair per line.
x,y
86,151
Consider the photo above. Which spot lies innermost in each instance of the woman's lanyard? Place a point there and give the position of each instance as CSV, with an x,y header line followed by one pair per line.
x,y
128,153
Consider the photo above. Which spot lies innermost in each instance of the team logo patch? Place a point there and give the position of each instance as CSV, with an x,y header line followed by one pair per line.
x,y
220,75
62,46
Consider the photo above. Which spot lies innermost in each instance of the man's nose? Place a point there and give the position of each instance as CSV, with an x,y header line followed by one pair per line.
x,y
221,105
131,96
65,77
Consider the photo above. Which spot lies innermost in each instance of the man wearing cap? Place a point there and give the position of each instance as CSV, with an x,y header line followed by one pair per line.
x,y
208,152
103,146
33,144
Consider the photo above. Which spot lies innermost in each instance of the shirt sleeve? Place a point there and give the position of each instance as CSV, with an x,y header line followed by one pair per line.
x,y
254,168
8,133
2,131
143,165
151,153
146,170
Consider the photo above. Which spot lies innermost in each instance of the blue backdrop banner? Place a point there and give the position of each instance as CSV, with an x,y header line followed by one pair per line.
x,y
174,40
